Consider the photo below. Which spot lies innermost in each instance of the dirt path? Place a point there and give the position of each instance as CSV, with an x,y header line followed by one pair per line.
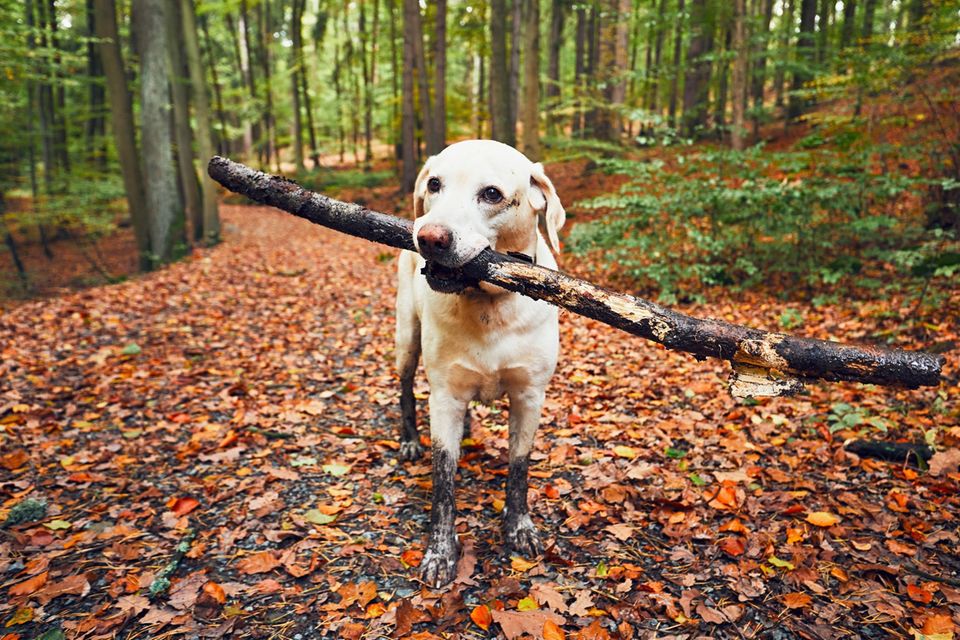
x,y
247,395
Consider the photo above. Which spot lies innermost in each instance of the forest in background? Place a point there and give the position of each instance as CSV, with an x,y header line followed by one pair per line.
x,y
112,108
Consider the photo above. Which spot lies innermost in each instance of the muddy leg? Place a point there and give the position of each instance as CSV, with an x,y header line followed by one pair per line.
x,y
519,532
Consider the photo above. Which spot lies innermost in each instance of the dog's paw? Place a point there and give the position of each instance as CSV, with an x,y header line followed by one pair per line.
x,y
520,535
410,450
439,565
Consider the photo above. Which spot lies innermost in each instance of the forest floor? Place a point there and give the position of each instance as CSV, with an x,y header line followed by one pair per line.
x,y
241,406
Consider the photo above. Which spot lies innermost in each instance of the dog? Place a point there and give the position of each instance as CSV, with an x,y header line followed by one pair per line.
x,y
480,342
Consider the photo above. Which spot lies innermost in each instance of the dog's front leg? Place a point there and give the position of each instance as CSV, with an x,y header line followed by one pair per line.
x,y
446,426
519,532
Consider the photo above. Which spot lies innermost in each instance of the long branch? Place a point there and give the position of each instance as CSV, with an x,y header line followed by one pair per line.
x,y
764,363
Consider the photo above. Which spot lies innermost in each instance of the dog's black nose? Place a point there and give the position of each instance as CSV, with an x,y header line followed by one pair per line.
x,y
434,241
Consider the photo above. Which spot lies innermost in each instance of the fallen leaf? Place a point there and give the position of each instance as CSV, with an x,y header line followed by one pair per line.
x,y
481,616
822,519
215,591
261,562
621,531
522,565
551,631
919,594
624,451
938,623
57,525
582,603
411,557
517,623
29,585
14,460
945,462
545,594
318,517
732,545
77,585
23,615
796,600
527,604
183,506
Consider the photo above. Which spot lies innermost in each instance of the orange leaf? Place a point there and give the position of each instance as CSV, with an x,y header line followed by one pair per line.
x,y
725,497
552,632
29,585
481,616
796,600
521,565
215,591
822,519
919,594
794,535
551,492
732,546
258,563
411,557
938,623
183,506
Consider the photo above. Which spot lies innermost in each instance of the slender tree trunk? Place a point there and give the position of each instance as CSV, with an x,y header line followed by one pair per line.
x,y
531,81
95,130
654,101
806,53
265,24
160,183
576,125
869,8
760,65
211,214
613,61
786,32
849,23
516,36
246,70
408,124
183,134
296,121
45,106
499,82
395,124
558,8
677,53
211,63
439,119
720,107
371,82
739,98
590,70
696,85
59,113
423,79
825,14
121,117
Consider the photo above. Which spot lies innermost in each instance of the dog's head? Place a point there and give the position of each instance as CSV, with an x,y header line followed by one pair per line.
x,y
478,194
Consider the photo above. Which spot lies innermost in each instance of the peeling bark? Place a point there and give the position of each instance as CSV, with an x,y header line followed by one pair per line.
x,y
765,363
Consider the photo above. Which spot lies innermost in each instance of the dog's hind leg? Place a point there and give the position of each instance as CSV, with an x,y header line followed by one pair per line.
x,y
519,532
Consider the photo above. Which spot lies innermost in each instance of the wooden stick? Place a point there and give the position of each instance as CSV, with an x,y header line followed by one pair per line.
x,y
765,364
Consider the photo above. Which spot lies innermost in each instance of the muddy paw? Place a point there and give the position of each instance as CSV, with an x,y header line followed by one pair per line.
x,y
521,537
410,450
439,565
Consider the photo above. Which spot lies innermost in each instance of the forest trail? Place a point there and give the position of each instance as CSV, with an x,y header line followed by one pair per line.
x,y
247,394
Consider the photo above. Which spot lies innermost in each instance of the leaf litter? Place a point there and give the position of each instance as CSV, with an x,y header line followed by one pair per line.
x,y
259,413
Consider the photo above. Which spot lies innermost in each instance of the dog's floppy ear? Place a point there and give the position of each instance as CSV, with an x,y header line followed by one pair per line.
x,y
543,197
419,187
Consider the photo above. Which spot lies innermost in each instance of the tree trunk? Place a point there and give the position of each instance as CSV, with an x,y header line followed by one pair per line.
x,y
653,102
677,52
95,133
394,84
423,79
825,14
162,197
555,42
576,125
612,44
869,7
211,63
211,214
849,23
439,119
516,35
408,124
121,117
696,85
760,65
246,71
296,121
499,81
720,107
59,113
786,32
806,52
739,97
183,134
764,363
590,70
531,80
265,26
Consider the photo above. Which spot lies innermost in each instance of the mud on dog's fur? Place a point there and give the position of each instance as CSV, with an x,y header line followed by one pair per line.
x,y
481,342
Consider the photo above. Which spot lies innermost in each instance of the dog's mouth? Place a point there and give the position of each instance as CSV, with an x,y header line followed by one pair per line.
x,y
446,279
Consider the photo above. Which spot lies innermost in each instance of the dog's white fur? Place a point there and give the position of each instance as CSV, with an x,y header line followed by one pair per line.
x,y
485,342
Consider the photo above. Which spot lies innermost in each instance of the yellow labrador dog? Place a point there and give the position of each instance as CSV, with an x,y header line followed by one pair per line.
x,y
479,342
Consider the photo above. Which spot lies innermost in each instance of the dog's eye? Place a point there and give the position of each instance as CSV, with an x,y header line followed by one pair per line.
x,y
491,195
433,185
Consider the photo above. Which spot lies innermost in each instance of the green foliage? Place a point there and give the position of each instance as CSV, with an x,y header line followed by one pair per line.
x,y
718,217
29,510
844,416
335,180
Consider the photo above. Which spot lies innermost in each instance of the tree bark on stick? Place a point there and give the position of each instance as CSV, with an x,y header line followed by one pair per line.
x,y
764,363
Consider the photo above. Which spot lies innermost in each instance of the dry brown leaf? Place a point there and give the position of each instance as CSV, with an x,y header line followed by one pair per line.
x,y
822,519
796,600
260,562
29,585
945,462
516,623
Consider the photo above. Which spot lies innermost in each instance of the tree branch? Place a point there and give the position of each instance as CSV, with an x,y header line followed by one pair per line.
x,y
764,363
